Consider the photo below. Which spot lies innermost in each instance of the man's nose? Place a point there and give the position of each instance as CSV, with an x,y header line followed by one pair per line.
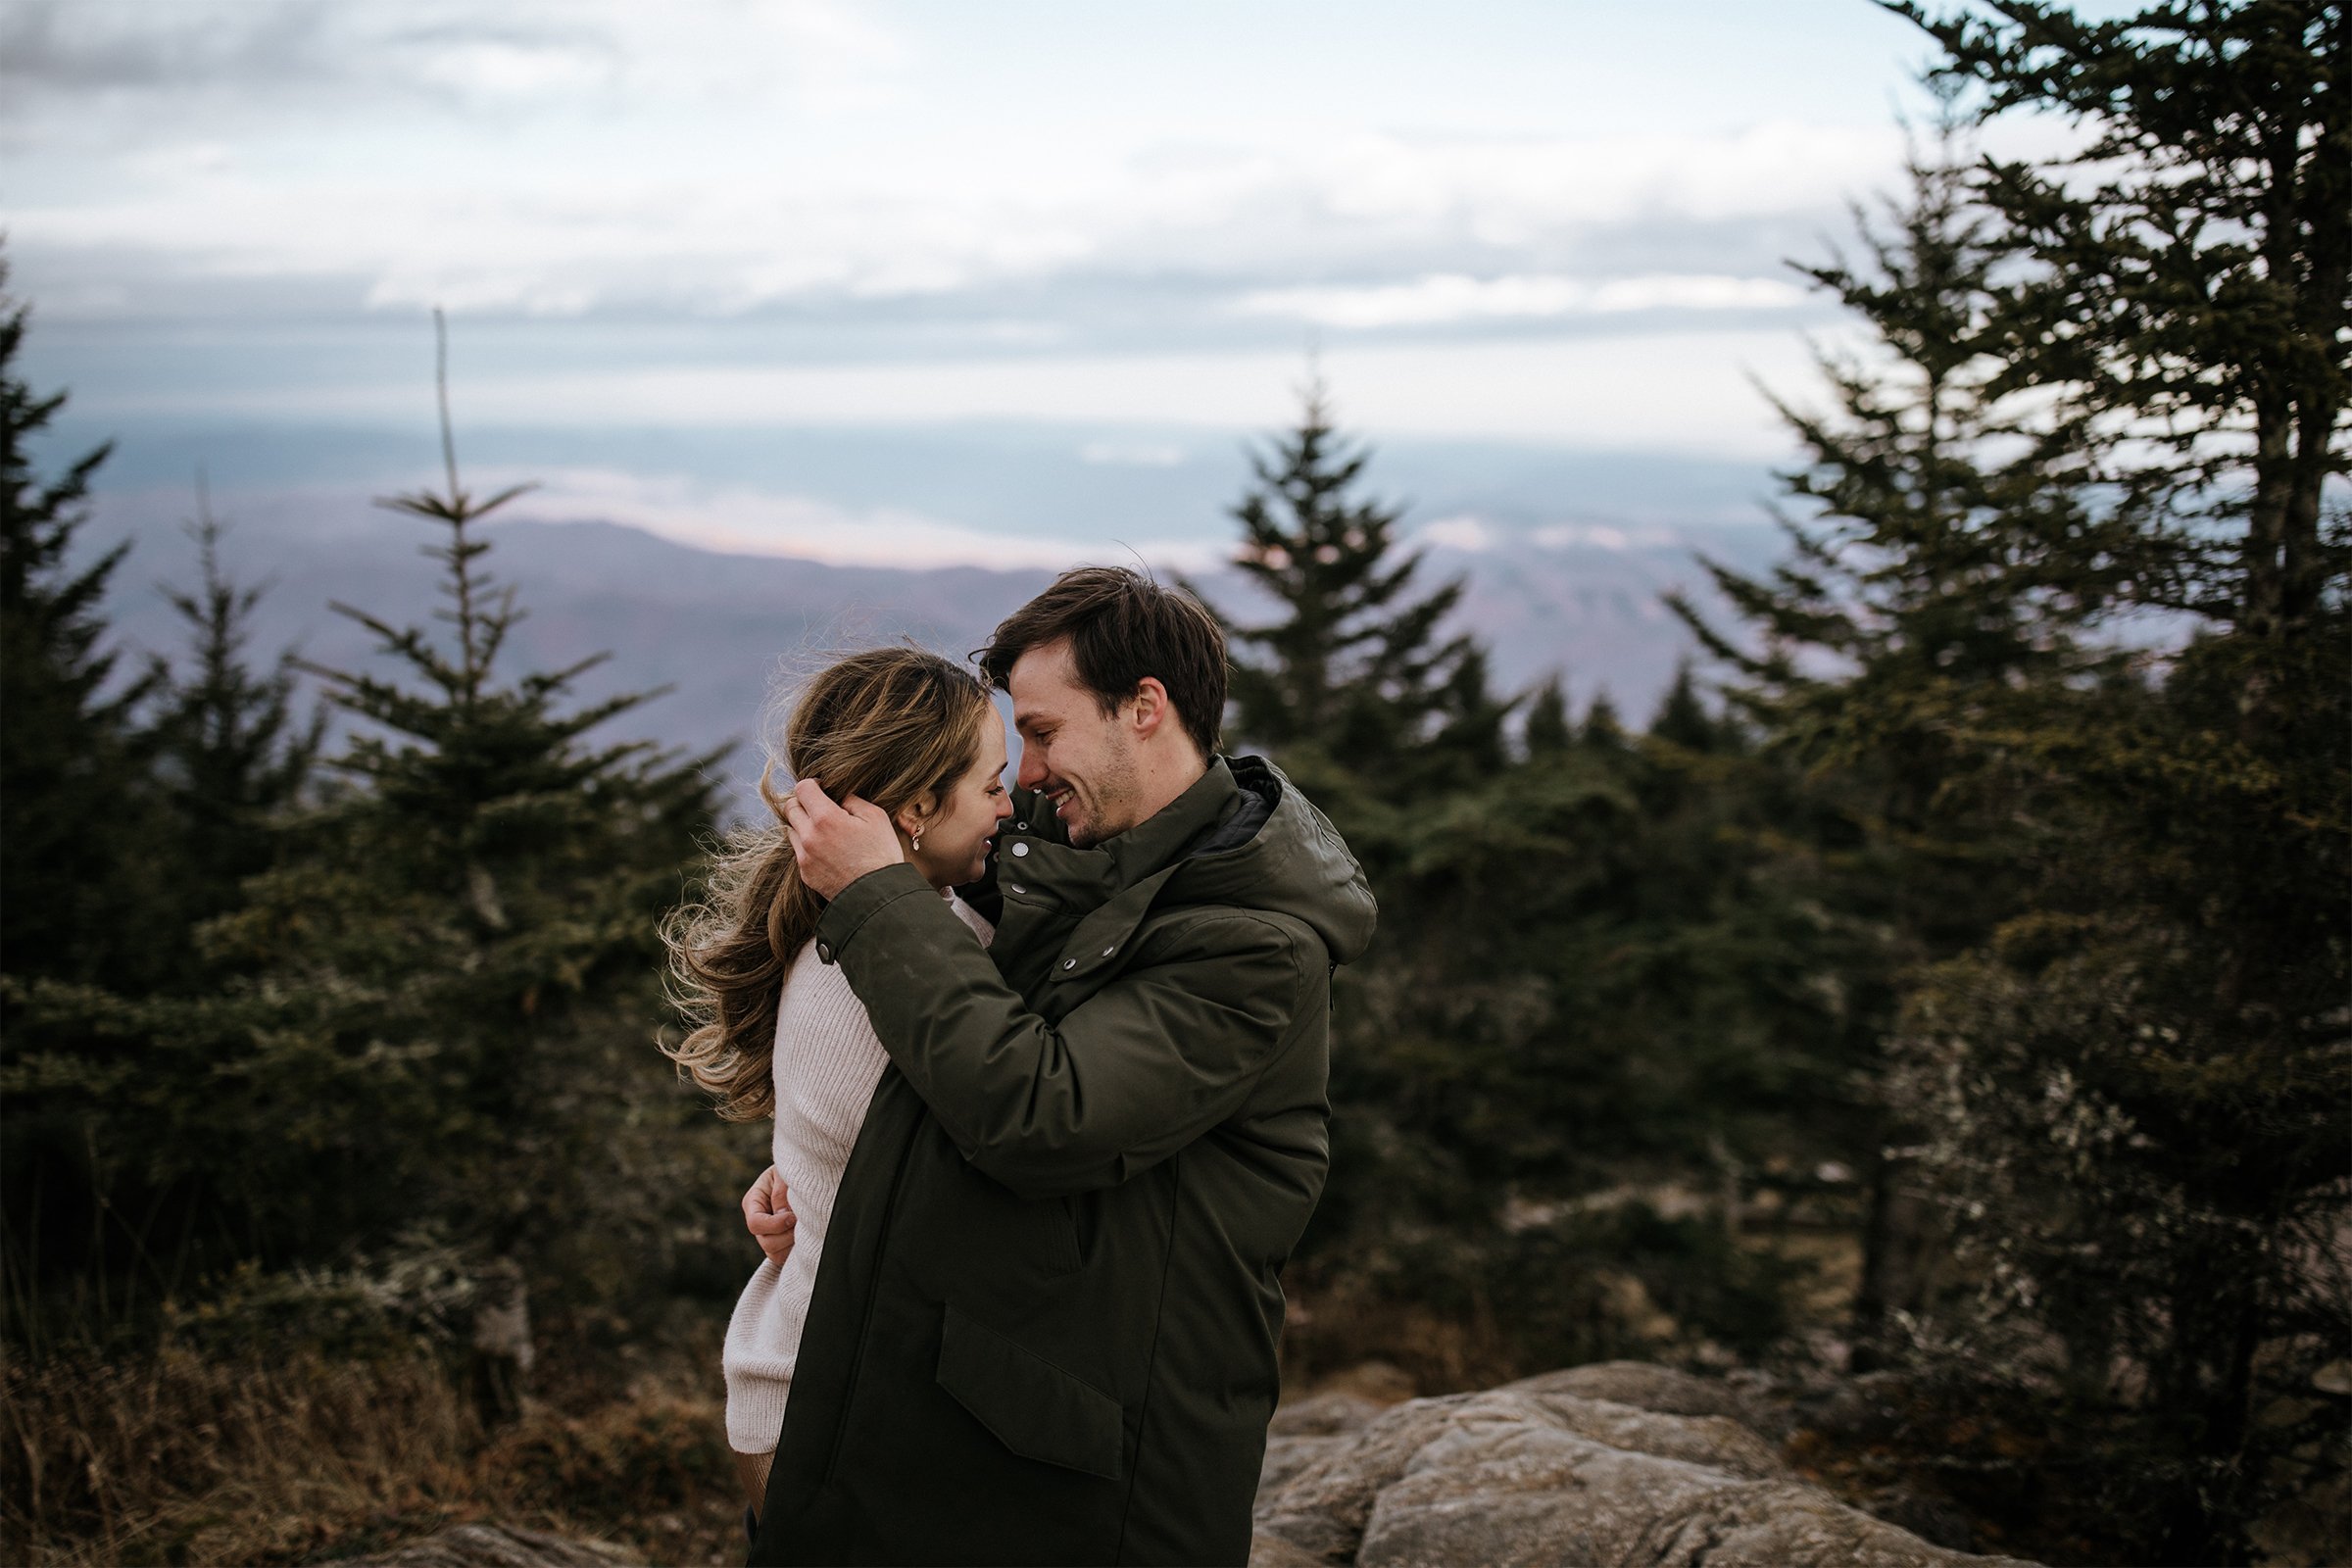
x,y
1032,772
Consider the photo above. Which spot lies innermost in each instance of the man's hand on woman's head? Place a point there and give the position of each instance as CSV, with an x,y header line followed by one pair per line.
x,y
835,845
768,1215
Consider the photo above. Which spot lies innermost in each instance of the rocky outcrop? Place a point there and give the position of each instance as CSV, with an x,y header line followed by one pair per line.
x,y
1616,1463
1619,1463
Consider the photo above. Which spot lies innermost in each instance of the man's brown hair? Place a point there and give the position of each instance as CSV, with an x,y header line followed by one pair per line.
x,y
1123,627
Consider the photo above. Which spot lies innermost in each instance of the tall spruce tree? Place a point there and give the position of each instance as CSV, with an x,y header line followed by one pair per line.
x,y
113,1075
1357,667
2115,878
70,784
455,970
1568,988
1683,720
1923,603
1601,729
232,757
2135,1093
72,822
427,1020
1548,732
2195,278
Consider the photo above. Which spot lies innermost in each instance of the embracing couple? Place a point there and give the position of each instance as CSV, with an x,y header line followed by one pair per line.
x,y
1050,1119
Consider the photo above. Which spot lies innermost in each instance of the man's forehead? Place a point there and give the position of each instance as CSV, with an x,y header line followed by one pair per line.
x,y
1041,681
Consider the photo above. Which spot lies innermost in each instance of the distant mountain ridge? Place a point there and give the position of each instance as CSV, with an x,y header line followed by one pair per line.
x,y
720,629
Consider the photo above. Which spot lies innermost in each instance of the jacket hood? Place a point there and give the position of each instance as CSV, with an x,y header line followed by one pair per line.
x,y
1275,851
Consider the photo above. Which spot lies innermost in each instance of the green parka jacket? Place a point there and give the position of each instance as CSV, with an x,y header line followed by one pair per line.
x,y
1045,1327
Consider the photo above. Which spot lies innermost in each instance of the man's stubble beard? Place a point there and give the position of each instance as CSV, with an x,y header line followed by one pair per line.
x,y
1114,803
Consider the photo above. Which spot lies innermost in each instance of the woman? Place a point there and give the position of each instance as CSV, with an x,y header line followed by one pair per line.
x,y
779,1033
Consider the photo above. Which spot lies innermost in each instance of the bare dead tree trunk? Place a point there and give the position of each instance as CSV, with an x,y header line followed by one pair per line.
x,y
1898,1230
501,1354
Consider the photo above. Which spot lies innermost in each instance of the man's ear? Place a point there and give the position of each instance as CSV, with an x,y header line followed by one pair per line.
x,y
1150,707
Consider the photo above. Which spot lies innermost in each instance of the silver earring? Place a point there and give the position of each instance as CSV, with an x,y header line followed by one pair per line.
x,y
919,843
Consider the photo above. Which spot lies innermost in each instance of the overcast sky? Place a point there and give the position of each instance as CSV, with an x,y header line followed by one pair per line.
x,y
1561,223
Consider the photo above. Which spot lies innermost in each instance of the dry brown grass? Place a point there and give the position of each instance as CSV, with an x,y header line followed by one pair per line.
x,y
1342,1326
177,1458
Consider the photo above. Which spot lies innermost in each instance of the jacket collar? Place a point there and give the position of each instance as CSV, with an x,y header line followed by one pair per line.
x,y
1161,840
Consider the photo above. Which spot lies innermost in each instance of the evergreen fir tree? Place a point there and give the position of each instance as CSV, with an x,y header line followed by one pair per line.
x,y
427,1018
1914,612
460,964
115,1077
1601,729
1561,986
1682,719
1548,732
1911,564
1357,666
2195,280
71,786
2114,949
2166,1006
233,759
73,815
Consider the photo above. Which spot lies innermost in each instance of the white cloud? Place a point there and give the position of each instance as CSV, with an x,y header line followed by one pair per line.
x,y
1511,191
502,69
1687,391
278,60
1464,533
1450,297
1131,453
744,520
574,206
1569,535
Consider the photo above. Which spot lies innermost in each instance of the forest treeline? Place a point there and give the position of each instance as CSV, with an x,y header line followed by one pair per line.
x,y
1949,979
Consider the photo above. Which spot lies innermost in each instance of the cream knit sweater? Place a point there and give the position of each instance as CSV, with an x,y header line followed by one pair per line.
x,y
827,1063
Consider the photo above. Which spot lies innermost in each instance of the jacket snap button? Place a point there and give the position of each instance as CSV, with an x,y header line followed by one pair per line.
x,y
1017,888
1108,951
1020,849
1022,826
1069,964
824,952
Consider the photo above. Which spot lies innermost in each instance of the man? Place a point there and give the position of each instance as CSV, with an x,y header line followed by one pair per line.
x,y
1046,1323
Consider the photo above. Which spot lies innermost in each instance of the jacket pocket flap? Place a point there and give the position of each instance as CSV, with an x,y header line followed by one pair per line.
x,y
1032,1407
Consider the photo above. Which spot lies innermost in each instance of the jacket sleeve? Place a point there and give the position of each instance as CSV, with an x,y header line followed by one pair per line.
x,y
1151,1062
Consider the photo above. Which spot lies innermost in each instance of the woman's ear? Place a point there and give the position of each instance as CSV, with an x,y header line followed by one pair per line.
x,y
912,816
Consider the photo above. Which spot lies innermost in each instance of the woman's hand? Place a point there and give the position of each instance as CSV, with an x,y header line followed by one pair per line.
x,y
835,845
768,1215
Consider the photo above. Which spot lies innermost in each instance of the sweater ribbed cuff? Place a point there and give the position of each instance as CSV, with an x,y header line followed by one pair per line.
x,y
756,1414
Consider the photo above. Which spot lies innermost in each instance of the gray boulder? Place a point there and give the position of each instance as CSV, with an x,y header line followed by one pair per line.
x,y
1648,1387
1550,1471
1286,1456
1306,1430
1272,1552
1321,1415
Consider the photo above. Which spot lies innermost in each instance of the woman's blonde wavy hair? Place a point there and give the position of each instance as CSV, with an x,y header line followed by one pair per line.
x,y
892,726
